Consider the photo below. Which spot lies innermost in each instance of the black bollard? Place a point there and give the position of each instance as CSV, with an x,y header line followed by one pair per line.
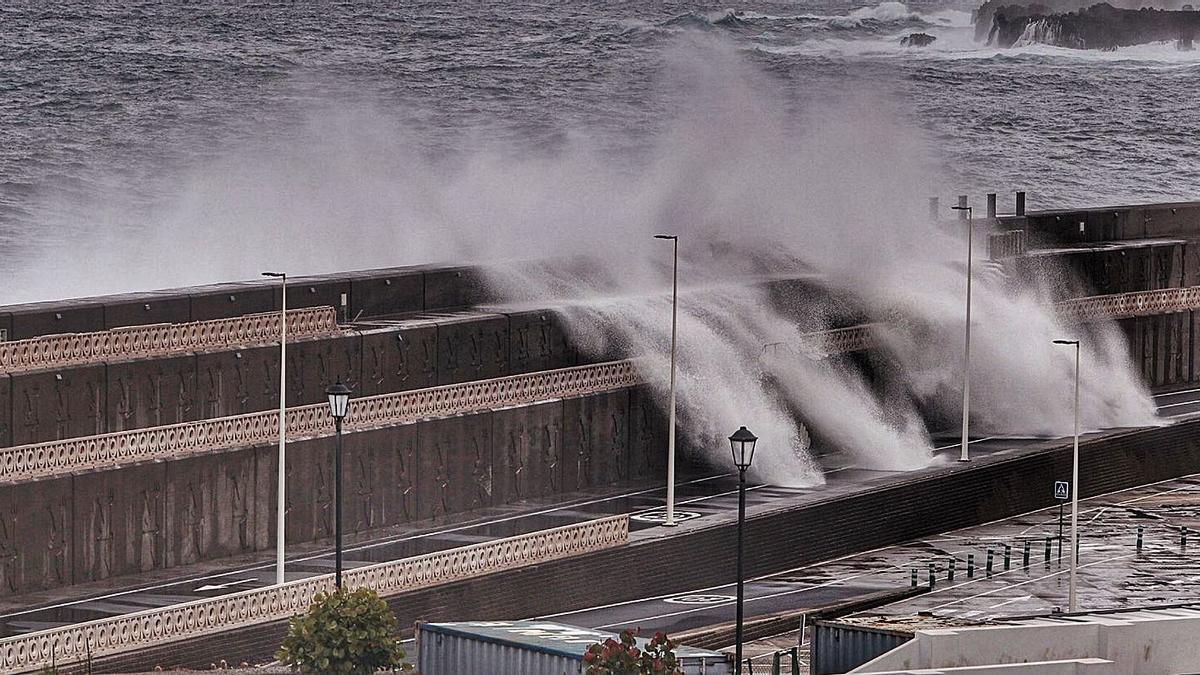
x,y
970,565
991,205
932,575
1026,556
989,562
1020,203
1007,557
1048,548
1139,538
950,572
1183,536
914,577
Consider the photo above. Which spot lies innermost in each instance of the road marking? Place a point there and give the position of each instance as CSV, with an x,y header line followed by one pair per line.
x,y
977,440
1009,602
218,587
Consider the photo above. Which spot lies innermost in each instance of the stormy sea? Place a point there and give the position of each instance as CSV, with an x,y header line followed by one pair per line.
x,y
152,144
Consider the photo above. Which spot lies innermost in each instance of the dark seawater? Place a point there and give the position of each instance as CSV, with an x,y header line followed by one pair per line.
x,y
122,122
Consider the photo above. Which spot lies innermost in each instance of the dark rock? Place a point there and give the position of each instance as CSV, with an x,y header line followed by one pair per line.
x,y
917,40
1100,26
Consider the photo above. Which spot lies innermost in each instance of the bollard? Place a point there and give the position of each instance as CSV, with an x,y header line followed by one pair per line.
x,y
1026,556
1007,557
932,575
933,208
914,577
1048,549
749,666
1183,536
962,202
970,565
989,562
775,663
1139,538
1020,203
991,205
950,573
796,659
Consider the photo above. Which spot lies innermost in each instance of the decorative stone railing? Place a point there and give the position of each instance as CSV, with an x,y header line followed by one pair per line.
x,y
105,637
41,460
1128,305
56,351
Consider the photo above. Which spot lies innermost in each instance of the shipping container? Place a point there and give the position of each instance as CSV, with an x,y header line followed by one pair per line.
x,y
529,648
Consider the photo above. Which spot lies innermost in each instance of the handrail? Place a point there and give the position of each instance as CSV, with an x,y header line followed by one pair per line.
x,y
1129,305
55,351
115,635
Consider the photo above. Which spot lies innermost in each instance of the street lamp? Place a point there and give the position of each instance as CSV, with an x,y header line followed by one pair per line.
x,y
281,505
1074,482
741,443
966,406
339,405
670,522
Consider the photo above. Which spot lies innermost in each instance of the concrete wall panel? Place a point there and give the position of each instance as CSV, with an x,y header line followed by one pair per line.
x,y
5,411
380,479
472,347
35,536
452,287
210,508
398,359
321,291
595,440
140,309
538,341
392,292
527,452
313,365
152,392
51,405
119,521
647,435
454,465
236,382
220,301
310,490
54,318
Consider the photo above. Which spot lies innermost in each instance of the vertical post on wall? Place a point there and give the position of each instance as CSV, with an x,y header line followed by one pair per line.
x,y
991,205
1020,203
281,462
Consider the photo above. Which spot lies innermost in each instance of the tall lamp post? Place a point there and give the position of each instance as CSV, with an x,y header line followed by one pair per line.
x,y
1074,482
339,405
281,506
670,522
741,443
966,406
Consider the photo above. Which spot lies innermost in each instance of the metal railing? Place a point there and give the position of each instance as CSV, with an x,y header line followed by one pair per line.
x,y
41,460
56,351
106,637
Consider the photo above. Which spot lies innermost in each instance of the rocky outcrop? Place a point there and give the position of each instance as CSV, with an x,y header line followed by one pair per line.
x,y
917,40
1097,27
984,16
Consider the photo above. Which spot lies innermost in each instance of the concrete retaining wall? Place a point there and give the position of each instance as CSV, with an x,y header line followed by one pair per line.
x,y
889,513
153,515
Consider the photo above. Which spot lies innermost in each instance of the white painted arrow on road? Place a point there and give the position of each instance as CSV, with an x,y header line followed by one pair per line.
x,y
220,587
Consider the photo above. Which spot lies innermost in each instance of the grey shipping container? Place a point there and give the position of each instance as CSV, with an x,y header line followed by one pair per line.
x,y
528,648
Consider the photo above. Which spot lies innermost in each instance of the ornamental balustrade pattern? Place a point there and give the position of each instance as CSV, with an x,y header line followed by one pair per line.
x,y
106,637
57,351
1129,305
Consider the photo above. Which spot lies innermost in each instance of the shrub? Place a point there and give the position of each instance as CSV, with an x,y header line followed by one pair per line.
x,y
623,657
350,632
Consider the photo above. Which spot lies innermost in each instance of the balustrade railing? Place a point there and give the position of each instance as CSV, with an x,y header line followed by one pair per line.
x,y
70,645
1128,305
56,351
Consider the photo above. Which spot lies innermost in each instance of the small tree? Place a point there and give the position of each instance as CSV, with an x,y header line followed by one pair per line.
x,y
623,657
348,632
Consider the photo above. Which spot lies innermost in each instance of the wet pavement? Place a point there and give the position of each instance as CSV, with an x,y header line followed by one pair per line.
x,y
699,500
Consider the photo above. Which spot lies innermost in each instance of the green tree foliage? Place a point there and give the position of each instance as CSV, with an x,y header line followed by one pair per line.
x,y
348,632
613,657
